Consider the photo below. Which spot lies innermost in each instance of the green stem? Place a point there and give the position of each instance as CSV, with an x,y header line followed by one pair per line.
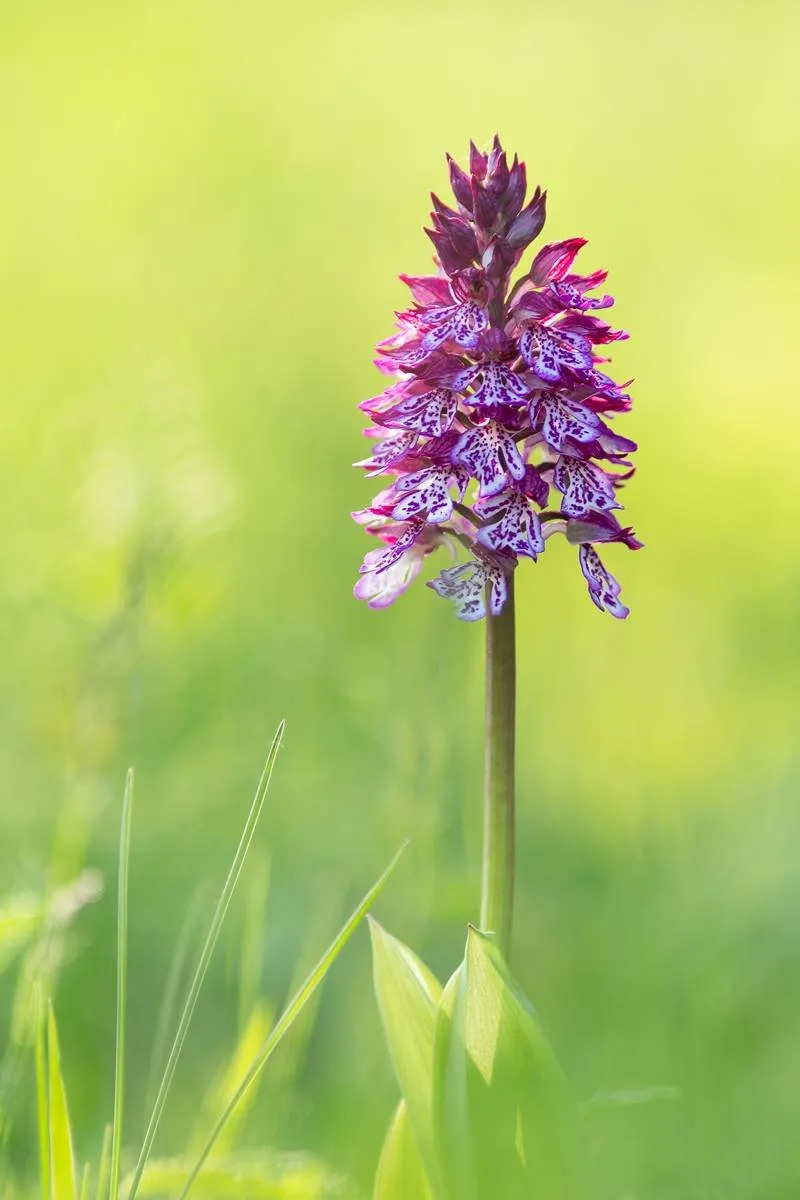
x,y
497,899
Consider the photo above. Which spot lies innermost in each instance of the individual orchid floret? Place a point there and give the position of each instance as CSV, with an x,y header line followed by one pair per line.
x,y
472,584
603,587
493,434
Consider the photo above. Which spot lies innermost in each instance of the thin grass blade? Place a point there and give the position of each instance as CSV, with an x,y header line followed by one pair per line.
x,y
85,1180
169,1001
104,1166
62,1158
204,960
290,1015
43,1110
122,990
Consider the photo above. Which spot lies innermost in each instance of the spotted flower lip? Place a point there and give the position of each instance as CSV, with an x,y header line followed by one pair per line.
x,y
495,431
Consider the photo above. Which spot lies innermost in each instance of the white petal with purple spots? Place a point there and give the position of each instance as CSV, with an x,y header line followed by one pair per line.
x,y
564,419
548,352
584,485
603,587
490,454
515,528
459,323
388,451
466,586
499,386
381,587
428,492
394,552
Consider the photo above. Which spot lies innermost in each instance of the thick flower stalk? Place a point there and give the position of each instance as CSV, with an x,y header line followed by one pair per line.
x,y
495,431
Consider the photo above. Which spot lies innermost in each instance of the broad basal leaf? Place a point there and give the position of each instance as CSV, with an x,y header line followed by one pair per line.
x,y
503,1119
400,1174
408,996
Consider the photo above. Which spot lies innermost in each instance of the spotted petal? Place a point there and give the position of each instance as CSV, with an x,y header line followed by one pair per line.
x,y
458,323
562,419
515,527
603,587
466,586
393,552
584,485
571,290
548,352
436,412
430,413
428,492
490,454
499,386
388,451
381,587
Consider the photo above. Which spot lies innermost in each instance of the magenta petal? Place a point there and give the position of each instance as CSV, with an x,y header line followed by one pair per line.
x,y
553,261
429,289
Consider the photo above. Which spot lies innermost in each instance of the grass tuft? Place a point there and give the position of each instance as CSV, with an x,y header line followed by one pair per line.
x,y
203,962
289,1016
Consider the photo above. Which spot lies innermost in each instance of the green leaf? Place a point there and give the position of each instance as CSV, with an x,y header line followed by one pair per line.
x,y
450,1117
62,1160
400,1173
289,1016
501,1111
408,997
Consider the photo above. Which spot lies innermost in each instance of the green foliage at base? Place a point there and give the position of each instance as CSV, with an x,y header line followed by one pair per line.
x,y
485,1113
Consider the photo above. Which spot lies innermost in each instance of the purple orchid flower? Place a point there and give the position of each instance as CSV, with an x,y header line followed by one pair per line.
x,y
497,398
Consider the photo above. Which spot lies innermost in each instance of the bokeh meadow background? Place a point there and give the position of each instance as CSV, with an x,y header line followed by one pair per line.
x,y
203,212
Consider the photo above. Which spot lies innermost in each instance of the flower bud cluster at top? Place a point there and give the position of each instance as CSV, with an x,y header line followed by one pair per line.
x,y
497,399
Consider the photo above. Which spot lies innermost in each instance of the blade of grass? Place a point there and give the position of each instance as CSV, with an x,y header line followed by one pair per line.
x,y
122,968
104,1165
251,955
43,1110
205,958
169,1002
290,1015
62,1159
87,1171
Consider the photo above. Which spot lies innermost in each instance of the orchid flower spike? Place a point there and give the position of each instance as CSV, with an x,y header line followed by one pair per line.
x,y
496,400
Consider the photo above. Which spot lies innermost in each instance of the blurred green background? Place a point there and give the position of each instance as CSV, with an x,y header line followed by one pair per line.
x,y
204,209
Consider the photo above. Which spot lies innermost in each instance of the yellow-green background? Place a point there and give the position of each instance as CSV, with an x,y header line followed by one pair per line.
x,y
204,208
